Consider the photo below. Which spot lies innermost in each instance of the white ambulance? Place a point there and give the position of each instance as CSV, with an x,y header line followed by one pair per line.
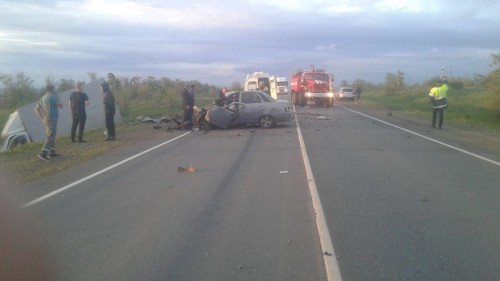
x,y
253,80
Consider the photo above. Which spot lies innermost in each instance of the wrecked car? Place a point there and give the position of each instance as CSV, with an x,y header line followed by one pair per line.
x,y
244,108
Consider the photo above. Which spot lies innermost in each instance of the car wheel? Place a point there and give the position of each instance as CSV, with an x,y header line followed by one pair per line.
x,y
266,122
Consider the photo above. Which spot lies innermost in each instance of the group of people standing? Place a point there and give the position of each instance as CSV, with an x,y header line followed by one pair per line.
x,y
47,109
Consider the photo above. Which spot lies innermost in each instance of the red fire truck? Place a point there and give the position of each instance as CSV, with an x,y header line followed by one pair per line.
x,y
312,85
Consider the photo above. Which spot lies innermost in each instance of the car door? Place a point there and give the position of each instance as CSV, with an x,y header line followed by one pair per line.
x,y
253,109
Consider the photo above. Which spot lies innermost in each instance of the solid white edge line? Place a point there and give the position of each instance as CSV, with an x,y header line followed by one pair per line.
x,y
425,137
57,191
331,263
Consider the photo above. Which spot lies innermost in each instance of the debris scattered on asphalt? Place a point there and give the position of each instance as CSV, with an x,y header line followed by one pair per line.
x,y
327,254
187,169
283,172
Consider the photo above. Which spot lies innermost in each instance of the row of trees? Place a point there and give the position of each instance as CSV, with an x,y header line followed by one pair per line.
x,y
395,83
19,89
164,92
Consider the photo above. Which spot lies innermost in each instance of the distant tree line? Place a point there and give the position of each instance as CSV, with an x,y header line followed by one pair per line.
x,y
19,90
162,93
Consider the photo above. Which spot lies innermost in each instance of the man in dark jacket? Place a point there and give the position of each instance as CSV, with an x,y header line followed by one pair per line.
x,y
109,110
78,100
188,103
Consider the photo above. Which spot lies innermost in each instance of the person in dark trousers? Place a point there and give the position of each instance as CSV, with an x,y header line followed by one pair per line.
x,y
188,103
357,94
437,96
47,109
78,100
109,110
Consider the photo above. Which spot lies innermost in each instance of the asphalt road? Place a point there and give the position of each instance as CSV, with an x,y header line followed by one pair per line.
x,y
244,214
398,207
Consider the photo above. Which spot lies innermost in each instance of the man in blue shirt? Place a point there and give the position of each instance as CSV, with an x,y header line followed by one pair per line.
x,y
47,109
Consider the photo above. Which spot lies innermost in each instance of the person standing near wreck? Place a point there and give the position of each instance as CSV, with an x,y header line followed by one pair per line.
x,y
188,102
221,98
109,110
77,103
47,109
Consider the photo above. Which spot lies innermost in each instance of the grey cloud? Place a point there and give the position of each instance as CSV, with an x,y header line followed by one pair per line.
x,y
353,45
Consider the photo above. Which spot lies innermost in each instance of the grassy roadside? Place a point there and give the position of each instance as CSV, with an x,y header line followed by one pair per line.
x,y
23,166
467,108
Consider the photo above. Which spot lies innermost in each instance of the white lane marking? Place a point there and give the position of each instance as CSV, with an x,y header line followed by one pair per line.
x,y
331,263
57,191
425,137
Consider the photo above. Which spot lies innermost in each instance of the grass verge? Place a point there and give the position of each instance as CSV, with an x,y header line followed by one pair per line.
x,y
22,165
467,108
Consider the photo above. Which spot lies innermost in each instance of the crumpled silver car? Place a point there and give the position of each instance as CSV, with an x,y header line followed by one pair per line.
x,y
247,108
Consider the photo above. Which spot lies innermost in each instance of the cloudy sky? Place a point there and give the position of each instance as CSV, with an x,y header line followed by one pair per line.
x,y
219,41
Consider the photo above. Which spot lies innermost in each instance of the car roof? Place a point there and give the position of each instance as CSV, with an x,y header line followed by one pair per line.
x,y
250,91
233,92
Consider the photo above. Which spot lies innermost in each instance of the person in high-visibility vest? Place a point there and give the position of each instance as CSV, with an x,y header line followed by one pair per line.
x,y
437,97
